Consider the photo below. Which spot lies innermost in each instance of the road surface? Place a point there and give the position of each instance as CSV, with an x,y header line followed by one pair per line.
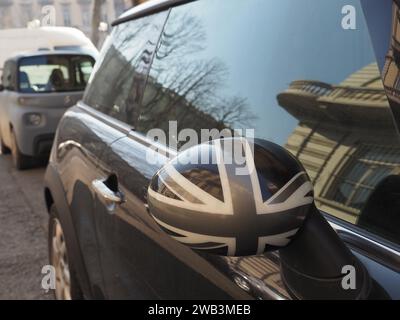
x,y
23,232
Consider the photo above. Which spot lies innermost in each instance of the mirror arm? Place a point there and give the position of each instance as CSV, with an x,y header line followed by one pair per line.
x,y
312,265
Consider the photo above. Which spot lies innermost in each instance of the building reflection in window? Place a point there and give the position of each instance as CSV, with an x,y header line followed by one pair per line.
x,y
348,145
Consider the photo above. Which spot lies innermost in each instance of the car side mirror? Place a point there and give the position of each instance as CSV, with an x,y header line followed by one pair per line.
x,y
233,197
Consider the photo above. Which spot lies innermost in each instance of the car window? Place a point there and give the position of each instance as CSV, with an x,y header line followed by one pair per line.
x,y
302,74
119,76
55,73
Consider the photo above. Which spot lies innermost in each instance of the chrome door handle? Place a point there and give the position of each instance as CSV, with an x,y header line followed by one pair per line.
x,y
106,193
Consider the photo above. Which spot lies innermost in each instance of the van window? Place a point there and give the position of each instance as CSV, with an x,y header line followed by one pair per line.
x,y
54,73
302,75
119,77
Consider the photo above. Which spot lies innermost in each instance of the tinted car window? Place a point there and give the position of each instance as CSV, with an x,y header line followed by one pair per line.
x,y
56,73
305,78
119,76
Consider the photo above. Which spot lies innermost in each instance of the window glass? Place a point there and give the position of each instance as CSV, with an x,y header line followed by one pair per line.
x,y
83,69
120,74
55,73
301,74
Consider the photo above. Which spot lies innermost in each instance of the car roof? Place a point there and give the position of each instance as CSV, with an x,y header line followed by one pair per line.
x,y
55,36
29,54
148,7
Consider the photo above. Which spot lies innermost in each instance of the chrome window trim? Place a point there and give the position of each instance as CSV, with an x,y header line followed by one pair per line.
x,y
376,250
148,8
114,123
339,228
126,129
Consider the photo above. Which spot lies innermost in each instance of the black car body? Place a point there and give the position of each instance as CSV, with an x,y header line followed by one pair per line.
x,y
295,71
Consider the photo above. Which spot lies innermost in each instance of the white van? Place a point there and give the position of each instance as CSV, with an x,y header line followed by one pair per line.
x,y
44,72
17,41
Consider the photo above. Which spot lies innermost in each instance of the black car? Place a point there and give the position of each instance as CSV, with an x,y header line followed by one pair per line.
x,y
233,150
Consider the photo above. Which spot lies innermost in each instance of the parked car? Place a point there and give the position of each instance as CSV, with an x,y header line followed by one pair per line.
x,y
312,212
36,90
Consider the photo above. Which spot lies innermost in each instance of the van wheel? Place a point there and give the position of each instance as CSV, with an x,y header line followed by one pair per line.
x,y
67,284
20,161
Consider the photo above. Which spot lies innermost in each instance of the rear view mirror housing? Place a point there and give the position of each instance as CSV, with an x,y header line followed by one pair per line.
x,y
232,197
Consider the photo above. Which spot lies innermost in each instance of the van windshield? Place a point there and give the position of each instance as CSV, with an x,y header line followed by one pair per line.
x,y
54,73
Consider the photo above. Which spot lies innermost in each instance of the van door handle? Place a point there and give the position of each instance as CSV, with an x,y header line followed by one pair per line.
x,y
106,193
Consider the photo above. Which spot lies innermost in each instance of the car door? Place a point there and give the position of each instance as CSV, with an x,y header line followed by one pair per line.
x,y
136,249
82,136
139,260
134,43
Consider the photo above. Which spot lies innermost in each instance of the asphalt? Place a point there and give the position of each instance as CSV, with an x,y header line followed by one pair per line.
x,y
23,232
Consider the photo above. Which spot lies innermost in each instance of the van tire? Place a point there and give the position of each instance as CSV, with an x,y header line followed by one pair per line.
x,y
20,161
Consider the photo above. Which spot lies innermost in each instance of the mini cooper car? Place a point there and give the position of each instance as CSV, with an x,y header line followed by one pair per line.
x,y
36,90
233,150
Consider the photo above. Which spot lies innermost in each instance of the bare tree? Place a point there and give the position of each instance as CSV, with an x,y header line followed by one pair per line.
x,y
190,88
232,111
